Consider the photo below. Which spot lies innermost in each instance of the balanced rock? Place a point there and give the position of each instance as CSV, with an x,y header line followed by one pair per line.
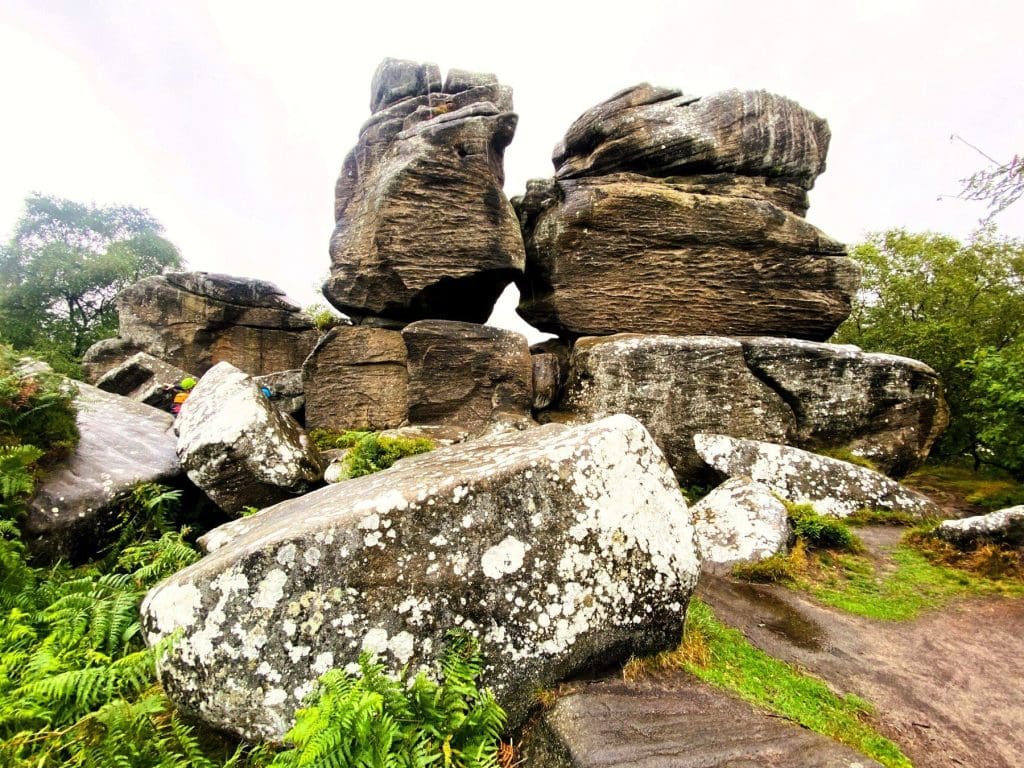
x,y
356,378
194,320
123,443
885,408
832,487
144,378
423,228
561,549
467,375
238,448
1004,527
740,520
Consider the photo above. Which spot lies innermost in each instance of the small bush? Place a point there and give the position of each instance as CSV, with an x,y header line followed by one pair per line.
x,y
323,317
328,439
372,453
820,532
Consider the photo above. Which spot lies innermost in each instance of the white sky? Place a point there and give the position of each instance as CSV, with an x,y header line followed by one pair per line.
x,y
229,120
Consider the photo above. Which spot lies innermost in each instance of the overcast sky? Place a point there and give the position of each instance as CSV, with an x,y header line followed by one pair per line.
x,y
229,120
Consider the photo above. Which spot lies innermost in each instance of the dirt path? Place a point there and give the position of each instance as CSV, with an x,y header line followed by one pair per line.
x,y
949,685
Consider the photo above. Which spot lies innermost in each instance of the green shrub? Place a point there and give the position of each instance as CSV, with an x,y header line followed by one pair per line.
x,y
323,317
36,409
821,532
328,439
373,453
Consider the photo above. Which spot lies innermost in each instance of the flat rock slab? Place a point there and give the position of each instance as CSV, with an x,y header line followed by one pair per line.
x,y
674,722
123,443
1005,526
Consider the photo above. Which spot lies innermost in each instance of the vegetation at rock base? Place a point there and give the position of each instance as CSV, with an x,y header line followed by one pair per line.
x,y
62,269
980,491
323,317
723,657
369,452
959,307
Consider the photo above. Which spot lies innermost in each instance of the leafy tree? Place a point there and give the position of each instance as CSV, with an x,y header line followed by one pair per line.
x,y
65,264
930,297
996,404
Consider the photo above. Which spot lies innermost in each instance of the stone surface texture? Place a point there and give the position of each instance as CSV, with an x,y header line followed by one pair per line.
x,y
240,449
105,355
194,320
123,443
467,375
740,520
559,548
356,378
423,228
1005,527
286,391
548,377
144,378
835,488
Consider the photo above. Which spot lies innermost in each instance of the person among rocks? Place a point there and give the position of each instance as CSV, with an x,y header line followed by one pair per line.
x,y
181,392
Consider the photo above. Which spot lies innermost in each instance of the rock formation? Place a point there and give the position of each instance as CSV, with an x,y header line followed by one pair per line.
x,y
1004,527
740,520
144,378
194,320
682,215
560,548
423,228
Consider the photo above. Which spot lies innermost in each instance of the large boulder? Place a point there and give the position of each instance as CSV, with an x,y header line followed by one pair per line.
x,y
356,378
740,521
123,443
832,487
286,391
468,375
238,447
885,408
561,549
144,378
676,386
194,320
423,228
1004,527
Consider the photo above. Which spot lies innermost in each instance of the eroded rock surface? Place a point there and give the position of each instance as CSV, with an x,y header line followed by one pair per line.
x,y
561,548
239,448
740,520
286,391
144,378
1005,527
123,443
423,228
832,487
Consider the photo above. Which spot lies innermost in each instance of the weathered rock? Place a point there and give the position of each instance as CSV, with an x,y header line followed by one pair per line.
x,y
628,253
105,355
661,132
832,487
560,548
1004,527
123,443
356,378
238,448
740,520
145,379
887,409
548,377
423,228
286,391
676,386
194,320
467,375
675,723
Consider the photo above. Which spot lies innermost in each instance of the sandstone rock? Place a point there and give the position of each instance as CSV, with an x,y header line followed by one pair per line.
x,y
629,253
238,448
740,520
145,379
467,375
560,548
885,408
194,320
548,377
286,391
103,356
676,723
832,487
356,378
1005,527
676,386
423,229
661,132
123,443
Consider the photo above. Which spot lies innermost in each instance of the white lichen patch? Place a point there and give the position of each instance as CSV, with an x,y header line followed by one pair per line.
x,y
375,641
174,606
503,558
271,589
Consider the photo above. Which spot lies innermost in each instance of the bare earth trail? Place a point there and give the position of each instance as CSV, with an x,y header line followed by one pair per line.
x,y
948,685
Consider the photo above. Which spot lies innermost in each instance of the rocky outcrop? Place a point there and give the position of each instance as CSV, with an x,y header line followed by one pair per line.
x,y
423,229
1004,527
356,378
240,449
194,320
832,487
885,408
286,391
740,520
467,375
144,378
105,355
559,548
123,443
548,379
683,215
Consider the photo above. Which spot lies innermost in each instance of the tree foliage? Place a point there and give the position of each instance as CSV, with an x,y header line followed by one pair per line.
x,y
65,264
999,185
932,298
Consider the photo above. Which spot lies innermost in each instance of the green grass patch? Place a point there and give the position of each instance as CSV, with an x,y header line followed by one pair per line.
x,y
820,532
723,657
883,517
987,488
329,439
